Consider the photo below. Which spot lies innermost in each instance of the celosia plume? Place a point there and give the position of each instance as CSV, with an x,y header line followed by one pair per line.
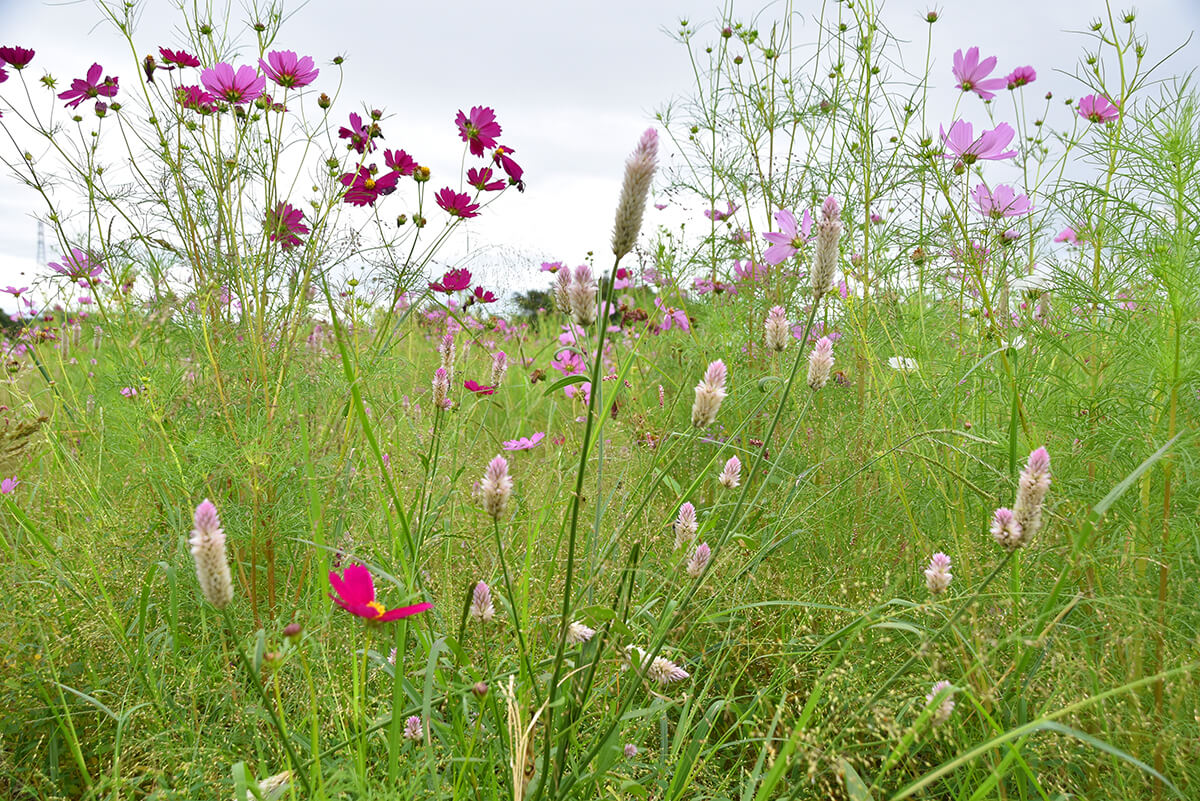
x,y
441,388
578,634
639,173
562,290
709,394
208,549
496,487
938,575
482,608
820,363
777,329
1032,487
731,475
685,525
582,296
942,713
825,258
499,367
699,560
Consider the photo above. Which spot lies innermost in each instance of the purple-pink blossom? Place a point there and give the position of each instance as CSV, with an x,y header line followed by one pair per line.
x,y
243,86
961,144
89,87
1021,76
479,129
524,443
1003,201
1098,108
789,239
972,73
288,70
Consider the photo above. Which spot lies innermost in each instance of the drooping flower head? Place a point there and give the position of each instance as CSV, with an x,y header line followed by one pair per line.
x,y
731,474
481,179
243,86
1003,201
355,592
699,560
178,58
89,87
477,388
961,144
284,223
482,608
972,74
479,129
820,363
399,162
196,99
938,575
709,394
776,329
639,174
288,70
496,487
1098,108
456,204
1021,76
789,239
208,549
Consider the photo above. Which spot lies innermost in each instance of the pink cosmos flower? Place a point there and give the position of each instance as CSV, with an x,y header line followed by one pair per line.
x,y
1098,108
1019,77
479,389
16,57
180,58
356,594
790,238
514,171
452,281
284,223
672,317
3,75
479,130
14,291
400,162
524,443
289,71
755,272
481,179
551,266
78,266
1003,201
129,392
361,136
973,74
9,485
717,216
196,99
990,144
660,206
1067,235
482,295
457,204
243,86
363,188
86,88
623,279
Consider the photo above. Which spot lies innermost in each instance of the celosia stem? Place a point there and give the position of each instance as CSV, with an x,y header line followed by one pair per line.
x,y
394,730
512,610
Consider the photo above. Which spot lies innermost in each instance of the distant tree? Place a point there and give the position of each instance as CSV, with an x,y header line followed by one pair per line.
x,y
529,302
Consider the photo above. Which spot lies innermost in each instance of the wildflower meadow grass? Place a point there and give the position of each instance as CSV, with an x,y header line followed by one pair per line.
x,y
876,479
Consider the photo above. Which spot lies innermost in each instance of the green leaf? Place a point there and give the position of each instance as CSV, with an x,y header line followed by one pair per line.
x,y
566,382
856,788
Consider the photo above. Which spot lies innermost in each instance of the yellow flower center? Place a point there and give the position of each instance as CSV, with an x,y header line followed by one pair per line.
x,y
378,607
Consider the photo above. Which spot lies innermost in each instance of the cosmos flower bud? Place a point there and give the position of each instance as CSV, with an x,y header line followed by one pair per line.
x,y
825,257
777,333
942,713
709,394
562,290
496,487
731,475
578,634
685,525
820,363
938,575
1032,487
1006,530
582,296
639,174
208,549
499,368
482,608
441,388
699,560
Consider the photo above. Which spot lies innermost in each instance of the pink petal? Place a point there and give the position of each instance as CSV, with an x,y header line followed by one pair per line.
x,y
404,611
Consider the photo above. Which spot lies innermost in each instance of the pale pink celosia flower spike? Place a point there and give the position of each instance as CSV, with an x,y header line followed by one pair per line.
x,y
946,706
413,730
1006,530
482,608
496,487
820,363
685,525
582,296
660,669
441,388
731,475
709,394
639,174
499,368
208,549
777,329
562,290
699,560
578,633
1032,487
938,575
446,351
825,257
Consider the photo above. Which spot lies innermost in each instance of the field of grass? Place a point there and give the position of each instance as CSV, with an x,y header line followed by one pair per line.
x,y
661,547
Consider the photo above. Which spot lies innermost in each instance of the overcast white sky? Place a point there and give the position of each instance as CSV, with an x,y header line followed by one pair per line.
x,y
573,83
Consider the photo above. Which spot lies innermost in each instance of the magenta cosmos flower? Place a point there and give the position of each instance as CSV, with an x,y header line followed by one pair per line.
x,y
482,295
524,443
961,144
514,170
790,237
479,130
180,58
1098,108
9,485
361,136
284,223
400,161
973,74
479,389
457,204
77,266
196,99
16,57
1067,235
452,281
1021,76
289,70
672,317
1003,201
236,88
363,188
482,180
356,594
87,88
